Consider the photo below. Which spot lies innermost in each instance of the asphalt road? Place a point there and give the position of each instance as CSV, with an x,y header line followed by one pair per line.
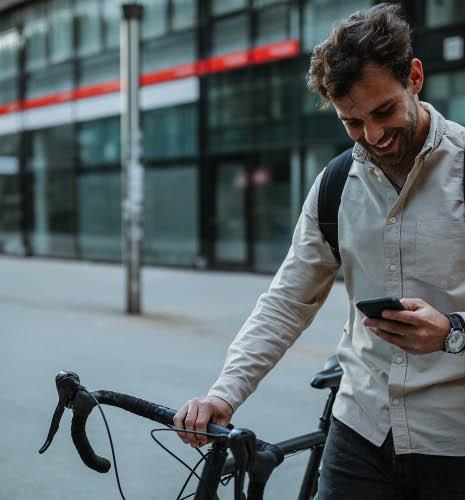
x,y
70,315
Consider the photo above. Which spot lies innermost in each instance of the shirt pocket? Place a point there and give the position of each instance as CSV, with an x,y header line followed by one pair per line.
x,y
440,252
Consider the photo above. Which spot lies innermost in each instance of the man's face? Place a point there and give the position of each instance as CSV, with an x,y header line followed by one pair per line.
x,y
381,115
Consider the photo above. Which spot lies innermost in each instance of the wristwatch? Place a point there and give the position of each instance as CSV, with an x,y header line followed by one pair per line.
x,y
455,339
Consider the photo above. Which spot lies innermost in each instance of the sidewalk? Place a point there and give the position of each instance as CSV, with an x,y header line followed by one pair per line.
x,y
70,315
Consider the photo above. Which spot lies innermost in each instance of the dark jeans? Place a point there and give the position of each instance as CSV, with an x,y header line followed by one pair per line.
x,y
355,469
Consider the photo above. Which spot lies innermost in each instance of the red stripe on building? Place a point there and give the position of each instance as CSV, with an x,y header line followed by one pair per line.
x,y
226,62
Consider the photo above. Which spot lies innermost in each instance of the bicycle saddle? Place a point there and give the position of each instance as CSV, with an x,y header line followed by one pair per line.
x,y
329,377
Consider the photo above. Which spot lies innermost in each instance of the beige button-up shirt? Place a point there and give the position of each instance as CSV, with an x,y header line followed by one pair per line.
x,y
410,244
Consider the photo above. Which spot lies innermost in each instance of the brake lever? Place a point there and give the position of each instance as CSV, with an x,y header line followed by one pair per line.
x,y
242,444
67,385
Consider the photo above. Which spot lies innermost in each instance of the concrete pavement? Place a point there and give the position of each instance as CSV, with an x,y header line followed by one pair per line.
x,y
69,315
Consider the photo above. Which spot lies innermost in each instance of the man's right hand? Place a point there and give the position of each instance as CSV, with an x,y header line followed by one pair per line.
x,y
196,413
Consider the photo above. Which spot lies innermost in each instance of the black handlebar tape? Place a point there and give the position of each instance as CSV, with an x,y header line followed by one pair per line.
x,y
146,409
87,454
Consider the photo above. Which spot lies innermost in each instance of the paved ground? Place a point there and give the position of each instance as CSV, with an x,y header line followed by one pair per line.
x,y
67,315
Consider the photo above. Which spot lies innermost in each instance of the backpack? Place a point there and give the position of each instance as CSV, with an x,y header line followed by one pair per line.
x,y
329,197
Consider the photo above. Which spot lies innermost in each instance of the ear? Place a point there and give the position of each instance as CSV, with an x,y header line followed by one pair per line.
x,y
416,77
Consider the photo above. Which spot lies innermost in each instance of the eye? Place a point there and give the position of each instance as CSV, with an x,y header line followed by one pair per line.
x,y
352,123
385,112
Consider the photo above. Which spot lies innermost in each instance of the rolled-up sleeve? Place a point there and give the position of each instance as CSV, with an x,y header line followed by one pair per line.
x,y
296,293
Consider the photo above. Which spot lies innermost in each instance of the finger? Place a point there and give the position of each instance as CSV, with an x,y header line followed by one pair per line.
x,y
178,421
393,339
395,327
412,304
407,317
203,417
189,423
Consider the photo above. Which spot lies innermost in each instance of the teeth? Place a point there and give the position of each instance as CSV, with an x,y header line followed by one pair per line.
x,y
386,144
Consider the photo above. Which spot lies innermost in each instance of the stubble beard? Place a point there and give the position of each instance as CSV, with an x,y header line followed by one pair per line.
x,y
405,136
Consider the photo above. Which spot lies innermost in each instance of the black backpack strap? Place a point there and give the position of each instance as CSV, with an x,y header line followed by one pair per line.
x,y
329,197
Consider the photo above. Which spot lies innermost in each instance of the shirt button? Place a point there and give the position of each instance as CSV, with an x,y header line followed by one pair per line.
x,y
399,360
396,402
392,220
392,267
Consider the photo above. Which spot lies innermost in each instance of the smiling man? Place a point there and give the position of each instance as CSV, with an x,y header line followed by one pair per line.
x,y
398,429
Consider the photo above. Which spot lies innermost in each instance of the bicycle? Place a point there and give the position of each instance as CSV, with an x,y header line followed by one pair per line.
x,y
249,455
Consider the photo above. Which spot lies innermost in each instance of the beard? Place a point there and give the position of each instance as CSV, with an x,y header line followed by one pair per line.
x,y
404,136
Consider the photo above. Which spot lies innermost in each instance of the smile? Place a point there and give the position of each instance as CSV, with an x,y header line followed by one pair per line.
x,y
386,144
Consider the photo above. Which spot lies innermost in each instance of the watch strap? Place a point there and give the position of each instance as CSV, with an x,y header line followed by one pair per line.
x,y
456,321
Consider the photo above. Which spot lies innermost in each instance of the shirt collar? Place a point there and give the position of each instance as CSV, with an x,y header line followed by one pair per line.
x,y
436,131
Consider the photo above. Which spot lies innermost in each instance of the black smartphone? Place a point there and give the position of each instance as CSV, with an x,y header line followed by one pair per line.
x,y
372,308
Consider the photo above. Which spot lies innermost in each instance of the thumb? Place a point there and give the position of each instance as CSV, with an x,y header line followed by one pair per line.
x,y
413,304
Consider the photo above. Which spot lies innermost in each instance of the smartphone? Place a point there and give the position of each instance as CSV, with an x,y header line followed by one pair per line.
x,y
372,308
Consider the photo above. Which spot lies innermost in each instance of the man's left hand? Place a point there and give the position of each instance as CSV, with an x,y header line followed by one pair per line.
x,y
419,329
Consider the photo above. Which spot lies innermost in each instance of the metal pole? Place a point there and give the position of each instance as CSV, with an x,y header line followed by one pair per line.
x,y
132,170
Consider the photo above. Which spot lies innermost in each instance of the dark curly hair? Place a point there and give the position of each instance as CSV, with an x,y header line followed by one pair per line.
x,y
378,35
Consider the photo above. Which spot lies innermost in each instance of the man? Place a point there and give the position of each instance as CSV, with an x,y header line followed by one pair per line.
x,y
398,430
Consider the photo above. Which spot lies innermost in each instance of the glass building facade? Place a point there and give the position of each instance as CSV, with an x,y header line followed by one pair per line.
x,y
231,138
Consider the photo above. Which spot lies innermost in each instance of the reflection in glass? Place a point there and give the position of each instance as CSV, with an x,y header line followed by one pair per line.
x,y
320,16
168,52
444,12
316,158
446,92
230,244
35,37
271,212
154,20
224,6
89,35
101,68
184,13
10,196
54,217
49,154
99,215
272,25
60,30
9,51
111,15
55,79
170,132
171,227
230,35
99,142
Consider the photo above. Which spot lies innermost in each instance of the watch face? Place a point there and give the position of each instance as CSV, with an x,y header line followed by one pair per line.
x,y
456,341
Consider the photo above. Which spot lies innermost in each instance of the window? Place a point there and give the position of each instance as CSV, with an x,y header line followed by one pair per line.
x,y
171,228
10,196
89,36
35,37
9,50
60,30
271,211
184,13
320,15
112,18
223,6
55,79
155,18
99,142
99,215
230,35
101,68
272,25
170,132
50,148
444,12
446,92
168,52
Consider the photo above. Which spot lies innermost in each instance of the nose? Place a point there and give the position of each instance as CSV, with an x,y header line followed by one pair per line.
x,y
373,133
